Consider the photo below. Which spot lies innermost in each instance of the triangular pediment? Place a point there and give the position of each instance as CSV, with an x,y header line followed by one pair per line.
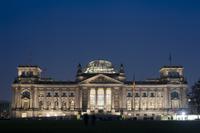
x,y
101,79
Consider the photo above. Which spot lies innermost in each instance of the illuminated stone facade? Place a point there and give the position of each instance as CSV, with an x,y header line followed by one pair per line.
x,y
99,88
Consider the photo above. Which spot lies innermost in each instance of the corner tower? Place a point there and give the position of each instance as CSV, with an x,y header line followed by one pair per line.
x,y
28,73
172,74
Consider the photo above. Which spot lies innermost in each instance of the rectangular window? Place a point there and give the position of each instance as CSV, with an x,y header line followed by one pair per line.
x,y
152,94
129,94
64,95
56,95
137,95
144,95
48,94
71,94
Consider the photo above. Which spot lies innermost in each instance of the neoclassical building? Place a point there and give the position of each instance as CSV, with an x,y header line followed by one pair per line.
x,y
99,88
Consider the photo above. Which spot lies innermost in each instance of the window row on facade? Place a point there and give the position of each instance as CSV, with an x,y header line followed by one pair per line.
x,y
144,94
57,94
56,105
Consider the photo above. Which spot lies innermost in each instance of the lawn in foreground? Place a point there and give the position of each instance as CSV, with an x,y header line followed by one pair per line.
x,y
100,126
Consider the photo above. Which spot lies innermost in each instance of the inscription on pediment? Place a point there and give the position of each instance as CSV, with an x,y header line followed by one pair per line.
x,y
101,79
104,80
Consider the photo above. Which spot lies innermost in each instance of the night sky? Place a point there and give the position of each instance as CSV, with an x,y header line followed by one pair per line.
x,y
57,35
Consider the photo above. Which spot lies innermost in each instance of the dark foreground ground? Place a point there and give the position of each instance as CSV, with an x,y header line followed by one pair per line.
x,y
100,126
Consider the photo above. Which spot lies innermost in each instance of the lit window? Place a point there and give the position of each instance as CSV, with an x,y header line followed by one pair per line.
x,y
129,105
72,105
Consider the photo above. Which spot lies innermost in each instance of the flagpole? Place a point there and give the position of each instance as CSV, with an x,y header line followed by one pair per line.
x,y
133,98
170,59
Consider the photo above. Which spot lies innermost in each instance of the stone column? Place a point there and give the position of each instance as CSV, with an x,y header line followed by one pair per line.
x,y
36,99
156,100
165,98
120,98
112,100
88,97
45,98
77,98
59,100
169,99
67,102
185,100
183,97
13,97
32,100
104,89
148,100
140,99
124,100
96,98
19,105
133,101
80,93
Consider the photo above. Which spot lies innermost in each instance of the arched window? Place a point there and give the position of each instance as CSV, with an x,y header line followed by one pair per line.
x,y
174,95
26,94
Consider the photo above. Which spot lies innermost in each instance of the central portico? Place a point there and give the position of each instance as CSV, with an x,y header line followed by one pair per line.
x,y
102,94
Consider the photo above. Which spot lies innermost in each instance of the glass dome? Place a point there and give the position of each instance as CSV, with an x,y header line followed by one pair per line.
x,y
100,66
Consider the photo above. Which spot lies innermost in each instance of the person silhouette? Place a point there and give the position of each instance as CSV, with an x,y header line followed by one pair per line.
x,y
85,118
93,119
